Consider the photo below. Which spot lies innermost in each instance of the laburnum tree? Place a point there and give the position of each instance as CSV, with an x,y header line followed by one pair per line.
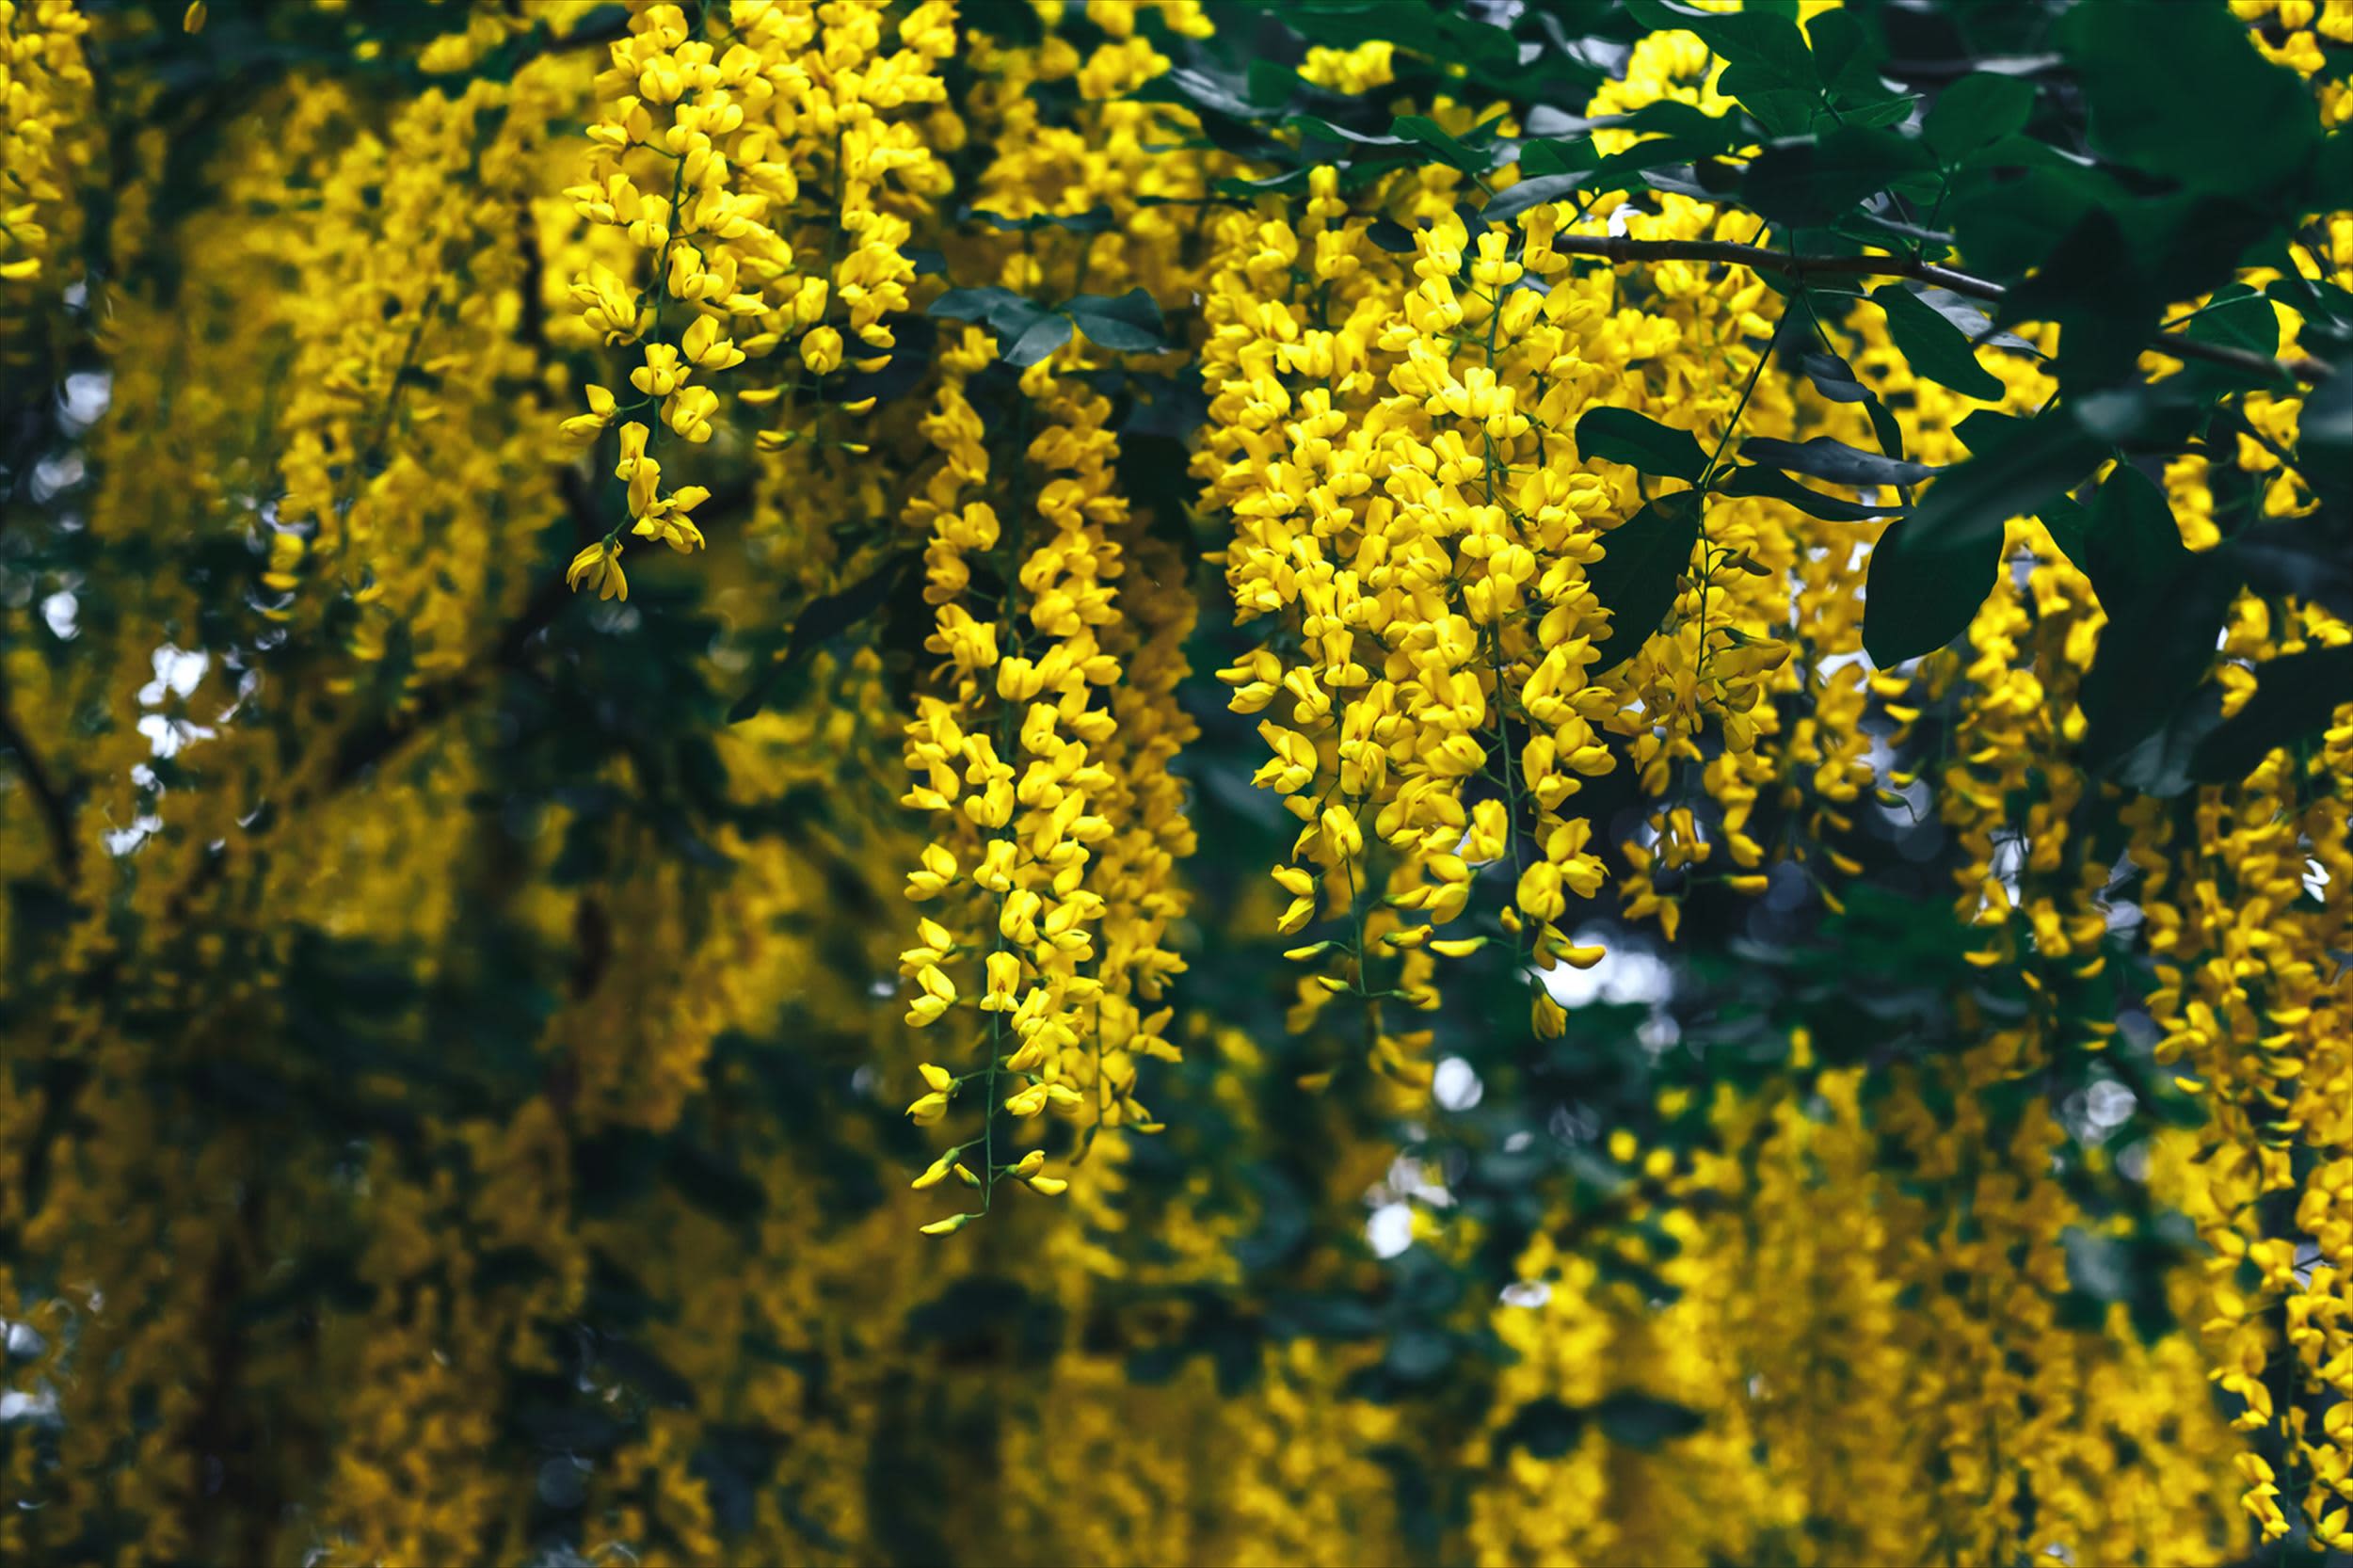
x,y
1341,781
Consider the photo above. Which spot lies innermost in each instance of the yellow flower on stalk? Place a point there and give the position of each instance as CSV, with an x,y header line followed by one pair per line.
x,y
583,428
600,566
939,993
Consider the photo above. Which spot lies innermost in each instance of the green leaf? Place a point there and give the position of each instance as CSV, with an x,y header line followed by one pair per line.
x,y
1645,1421
2236,316
1974,320
1310,125
999,308
1846,58
1977,112
1049,331
1198,91
821,620
1889,111
1430,134
1559,157
2295,698
2092,284
2154,654
1129,323
1635,579
2325,433
2178,90
2131,545
1417,1355
1771,483
1807,183
1836,461
1929,571
1544,1427
1511,203
1639,441
1933,346
1094,220
1833,379
2003,221
1837,380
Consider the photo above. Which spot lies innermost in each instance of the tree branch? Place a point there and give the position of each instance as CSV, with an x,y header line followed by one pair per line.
x,y
56,814
2302,367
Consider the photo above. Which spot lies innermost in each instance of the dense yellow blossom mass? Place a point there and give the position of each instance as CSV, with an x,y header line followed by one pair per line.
x,y
1209,682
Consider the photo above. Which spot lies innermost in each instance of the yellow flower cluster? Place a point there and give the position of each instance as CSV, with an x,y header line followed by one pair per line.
x,y
1874,1387
44,111
1009,759
1862,1281
1394,440
704,151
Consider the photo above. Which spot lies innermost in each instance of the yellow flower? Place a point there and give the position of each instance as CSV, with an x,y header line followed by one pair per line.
x,y
820,351
600,566
939,995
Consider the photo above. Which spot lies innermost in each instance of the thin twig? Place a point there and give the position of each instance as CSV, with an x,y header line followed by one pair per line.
x,y
2302,367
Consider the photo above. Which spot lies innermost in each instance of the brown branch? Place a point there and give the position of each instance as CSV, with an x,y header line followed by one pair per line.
x,y
56,815
2302,367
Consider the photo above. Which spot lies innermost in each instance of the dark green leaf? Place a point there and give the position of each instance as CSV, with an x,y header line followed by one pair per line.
x,y
1750,479
1544,1427
2003,223
2155,653
1635,579
1805,183
1836,461
1096,220
2295,698
1511,203
2237,317
1430,134
821,620
1833,379
1558,157
1039,338
1129,323
2091,283
2181,91
1645,1421
1975,112
1416,1354
1933,346
2325,433
997,307
1623,436
1974,320
1930,570
1307,125
1846,58
1888,111
2131,545
1198,91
